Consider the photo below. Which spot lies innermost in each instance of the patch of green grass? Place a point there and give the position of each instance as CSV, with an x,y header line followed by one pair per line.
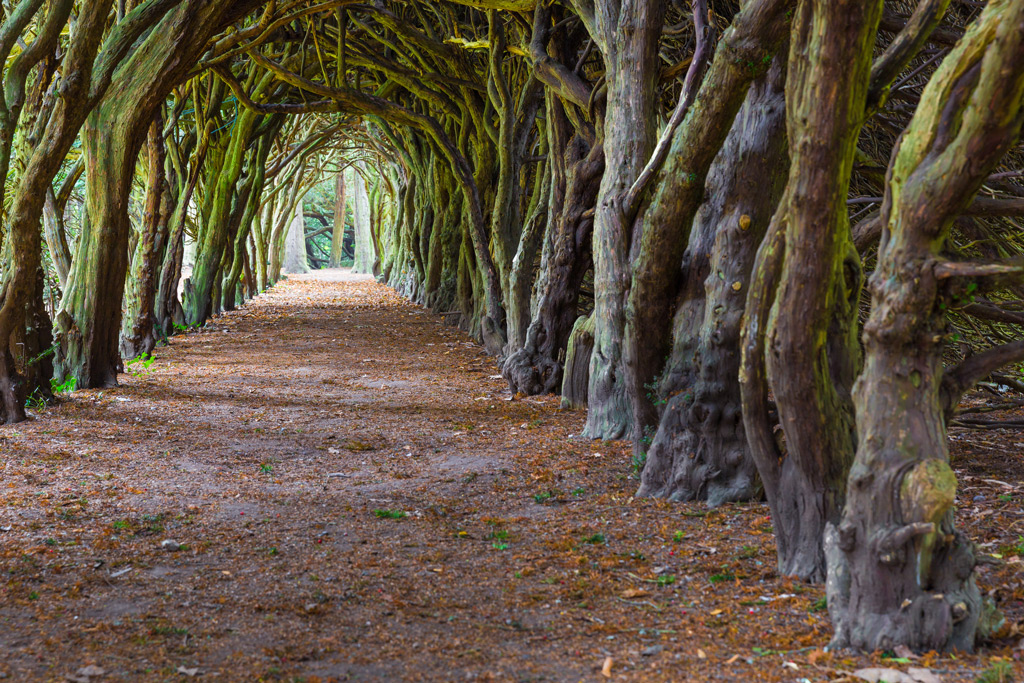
x,y
666,579
595,539
637,462
543,496
168,631
748,552
1006,498
999,672
122,524
498,545
390,514
819,605
498,534
722,577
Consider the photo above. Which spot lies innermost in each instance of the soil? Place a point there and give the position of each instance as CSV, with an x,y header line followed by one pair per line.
x,y
354,495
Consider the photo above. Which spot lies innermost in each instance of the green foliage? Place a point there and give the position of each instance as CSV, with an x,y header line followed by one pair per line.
x,y
1000,672
595,539
666,579
65,387
637,462
819,605
390,514
722,577
140,365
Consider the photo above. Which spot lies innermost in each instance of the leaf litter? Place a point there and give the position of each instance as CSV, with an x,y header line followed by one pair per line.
x,y
266,444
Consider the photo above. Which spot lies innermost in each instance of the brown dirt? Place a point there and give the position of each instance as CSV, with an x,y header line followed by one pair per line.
x,y
265,444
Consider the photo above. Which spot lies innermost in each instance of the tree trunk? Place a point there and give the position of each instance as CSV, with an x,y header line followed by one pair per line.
x,y
363,262
537,367
811,336
137,333
89,322
628,36
576,379
340,209
699,451
900,572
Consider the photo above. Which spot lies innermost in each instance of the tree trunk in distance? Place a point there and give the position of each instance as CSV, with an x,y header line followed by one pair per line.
x,y
295,260
361,221
340,209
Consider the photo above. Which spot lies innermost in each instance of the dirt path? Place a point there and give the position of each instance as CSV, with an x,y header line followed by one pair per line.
x,y
276,445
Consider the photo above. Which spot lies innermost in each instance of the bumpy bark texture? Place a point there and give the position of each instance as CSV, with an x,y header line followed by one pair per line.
x,y
900,573
627,34
812,350
699,451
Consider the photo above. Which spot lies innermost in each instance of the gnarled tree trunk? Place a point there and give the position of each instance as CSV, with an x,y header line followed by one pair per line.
x,y
699,451
900,572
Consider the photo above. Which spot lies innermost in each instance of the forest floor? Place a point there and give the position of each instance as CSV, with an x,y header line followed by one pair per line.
x,y
354,496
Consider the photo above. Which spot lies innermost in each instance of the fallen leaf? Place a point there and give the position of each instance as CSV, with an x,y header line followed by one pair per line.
x,y
701,654
635,593
606,670
191,673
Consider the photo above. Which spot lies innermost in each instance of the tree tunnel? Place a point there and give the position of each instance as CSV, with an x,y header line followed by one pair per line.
x,y
669,209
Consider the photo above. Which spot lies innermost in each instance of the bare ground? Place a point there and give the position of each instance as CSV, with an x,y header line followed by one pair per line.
x,y
276,445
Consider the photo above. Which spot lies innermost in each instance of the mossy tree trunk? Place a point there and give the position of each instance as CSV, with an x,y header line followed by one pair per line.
x,y
812,351
89,321
137,331
900,572
340,209
627,34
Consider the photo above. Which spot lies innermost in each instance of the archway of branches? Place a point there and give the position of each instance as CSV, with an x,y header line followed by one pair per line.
x,y
666,212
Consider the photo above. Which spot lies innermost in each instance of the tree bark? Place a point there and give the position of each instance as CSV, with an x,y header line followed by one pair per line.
x,y
627,34
340,209
137,333
812,351
699,451
900,572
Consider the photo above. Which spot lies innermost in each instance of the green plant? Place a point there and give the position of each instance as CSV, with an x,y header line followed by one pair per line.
x,y
666,579
722,577
35,400
678,536
595,539
499,546
637,462
498,534
748,552
122,524
140,365
544,496
390,514
1006,498
1000,672
819,605
65,387
266,468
